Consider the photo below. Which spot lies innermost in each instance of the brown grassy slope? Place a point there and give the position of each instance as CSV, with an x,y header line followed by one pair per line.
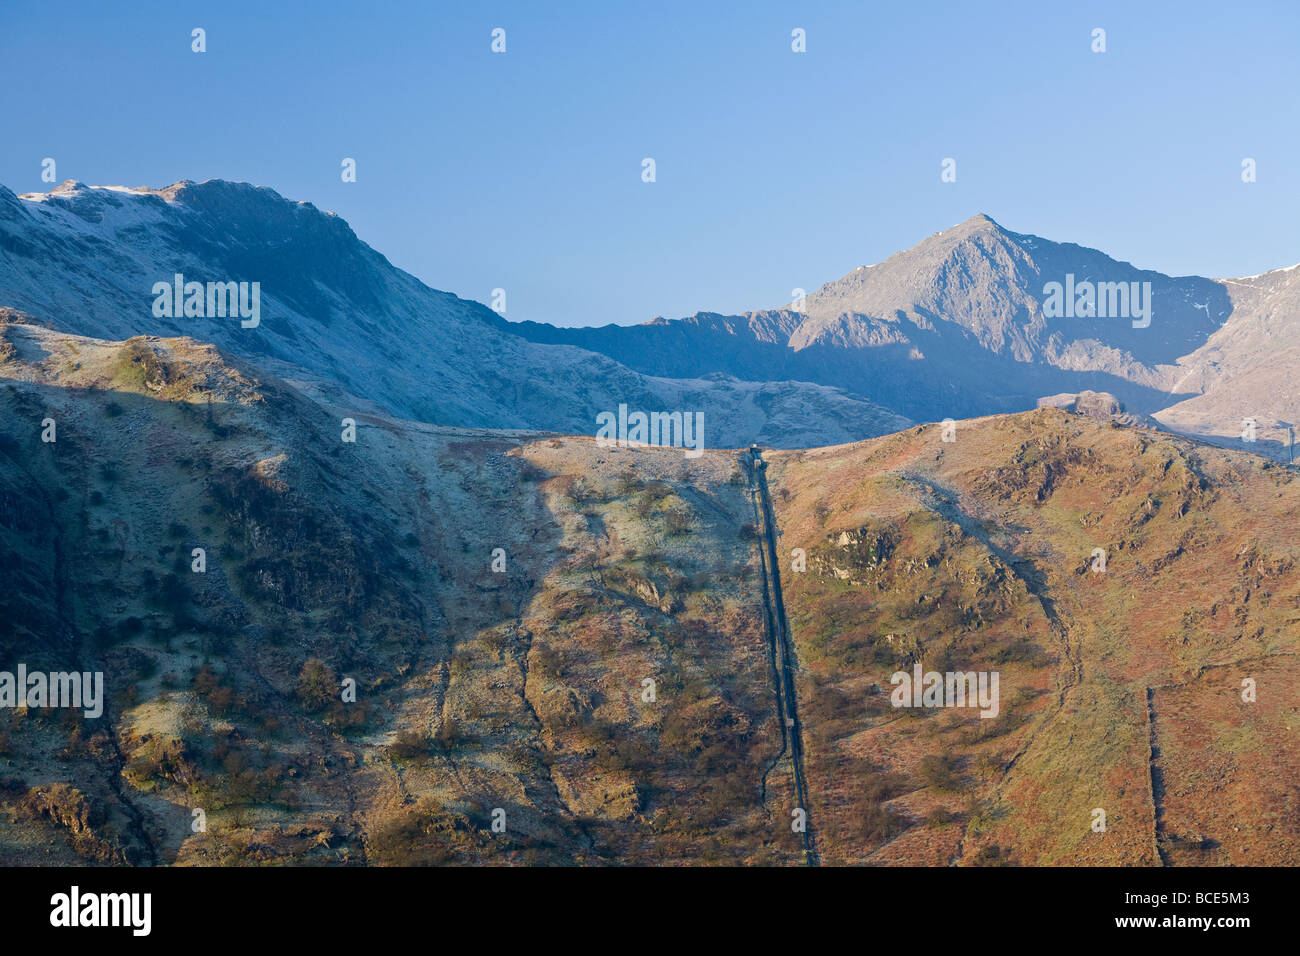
x,y
521,690
976,554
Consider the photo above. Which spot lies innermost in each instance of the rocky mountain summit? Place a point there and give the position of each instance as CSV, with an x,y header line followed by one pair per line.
x,y
365,588
960,325
339,319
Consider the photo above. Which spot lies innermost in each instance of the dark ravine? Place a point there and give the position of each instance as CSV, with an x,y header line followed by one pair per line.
x,y
783,654
1157,782
770,629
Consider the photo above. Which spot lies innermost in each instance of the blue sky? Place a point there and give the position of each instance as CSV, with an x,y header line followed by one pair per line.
x,y
775,170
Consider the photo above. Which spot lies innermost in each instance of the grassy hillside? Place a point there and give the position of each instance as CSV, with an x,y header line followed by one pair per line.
x,y
519,688
399,641
977,554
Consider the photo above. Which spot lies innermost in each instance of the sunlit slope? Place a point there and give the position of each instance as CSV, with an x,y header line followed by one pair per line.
x,y
434,645
978,554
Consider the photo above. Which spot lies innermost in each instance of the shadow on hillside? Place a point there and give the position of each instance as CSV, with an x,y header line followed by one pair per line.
x,y
313,556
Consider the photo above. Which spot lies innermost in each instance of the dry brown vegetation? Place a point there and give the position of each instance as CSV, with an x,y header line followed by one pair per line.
x,y
977,555
522,685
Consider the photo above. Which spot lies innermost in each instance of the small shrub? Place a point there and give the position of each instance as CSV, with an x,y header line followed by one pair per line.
x,y
317,684
940,772
409,745
677,521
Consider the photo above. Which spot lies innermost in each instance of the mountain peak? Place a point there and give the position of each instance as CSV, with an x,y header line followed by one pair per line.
x,y
980,222
208,189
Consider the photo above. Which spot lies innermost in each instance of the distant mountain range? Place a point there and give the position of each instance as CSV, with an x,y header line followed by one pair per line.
x,y
184,512
339,319
954,327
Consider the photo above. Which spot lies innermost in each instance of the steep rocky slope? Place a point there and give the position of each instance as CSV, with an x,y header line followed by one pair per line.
x,y
517,680
1246,369
953,327
956,327
1121,689
518,688
339,320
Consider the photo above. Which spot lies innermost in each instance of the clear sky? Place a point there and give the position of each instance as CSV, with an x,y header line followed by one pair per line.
x,y
775,170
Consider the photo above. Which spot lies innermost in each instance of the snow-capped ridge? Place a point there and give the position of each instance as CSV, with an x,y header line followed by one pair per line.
x,y
1266,272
